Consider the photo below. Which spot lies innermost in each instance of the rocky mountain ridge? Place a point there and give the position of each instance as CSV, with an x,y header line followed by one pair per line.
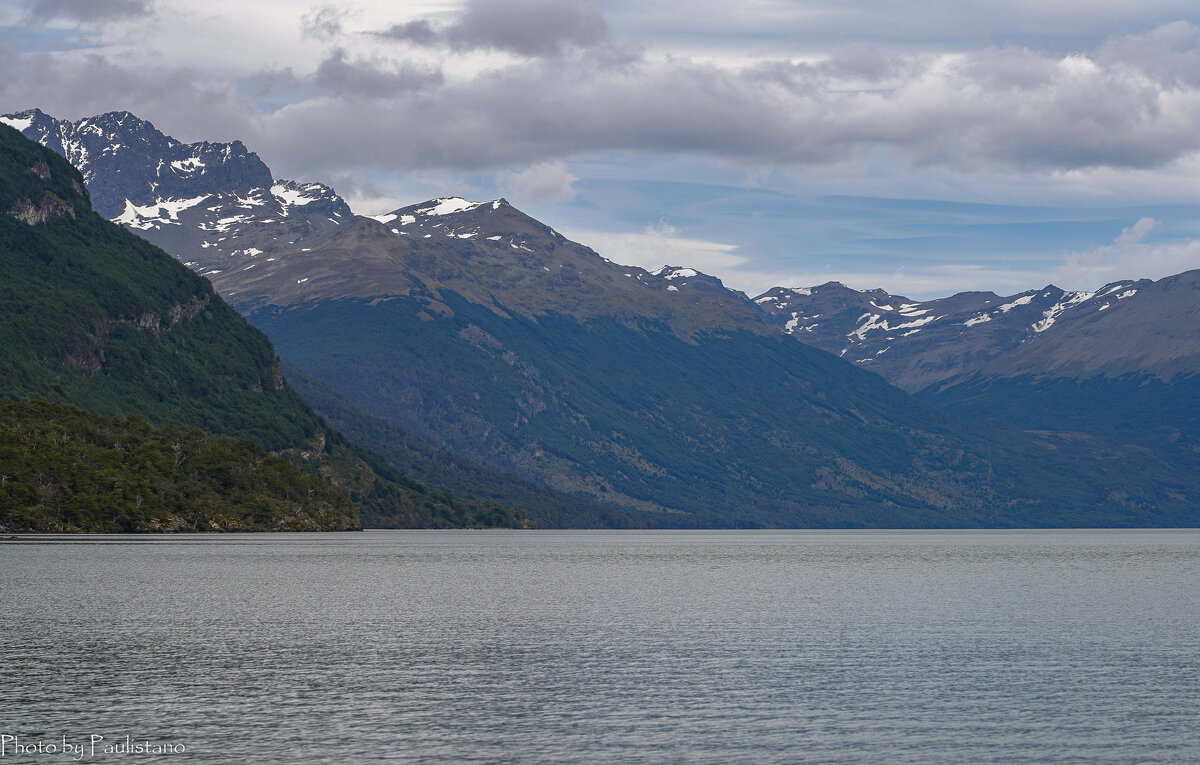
x,y
211,205
915,344
216,207
491,253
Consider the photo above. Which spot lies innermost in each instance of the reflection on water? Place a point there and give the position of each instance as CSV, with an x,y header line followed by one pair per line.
x,y
585,647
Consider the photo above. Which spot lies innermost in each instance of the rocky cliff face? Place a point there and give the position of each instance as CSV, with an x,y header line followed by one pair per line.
x,y
37,191
44,208
125,159
211,205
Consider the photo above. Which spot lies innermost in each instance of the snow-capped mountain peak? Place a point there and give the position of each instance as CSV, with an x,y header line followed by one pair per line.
x,y
459,218
212,205
677,278
675,272
448,205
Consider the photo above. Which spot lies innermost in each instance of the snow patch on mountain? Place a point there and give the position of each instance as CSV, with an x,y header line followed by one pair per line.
x,y
186,166
448,205
675,272
1050,315
294,196
1023,300
256,198
164,211
793,324
19,123
874,321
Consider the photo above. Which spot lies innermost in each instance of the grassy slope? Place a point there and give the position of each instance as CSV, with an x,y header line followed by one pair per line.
x,y
1147,426
443,469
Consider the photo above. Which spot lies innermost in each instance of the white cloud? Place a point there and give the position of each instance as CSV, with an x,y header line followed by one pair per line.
x,y
864,97
662,229
996,109
543,182
1130,256
654,248
659,246
359,101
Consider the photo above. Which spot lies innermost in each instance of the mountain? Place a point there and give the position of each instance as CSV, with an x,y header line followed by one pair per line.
x,y
489,253
660,395
915,344
1146,328
95,317
208,204
1123,369
489,334
1112,374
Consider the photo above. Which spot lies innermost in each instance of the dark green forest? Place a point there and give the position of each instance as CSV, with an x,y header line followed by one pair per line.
x,y
65,469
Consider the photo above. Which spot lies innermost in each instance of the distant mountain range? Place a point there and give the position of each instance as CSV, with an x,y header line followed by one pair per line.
x,y
915,344
1115,368
471,329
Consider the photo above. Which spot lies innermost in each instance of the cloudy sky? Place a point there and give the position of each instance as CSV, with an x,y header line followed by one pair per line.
x,y
922,146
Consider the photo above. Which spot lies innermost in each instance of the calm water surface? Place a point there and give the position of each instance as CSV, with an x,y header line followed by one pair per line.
x,y
607,647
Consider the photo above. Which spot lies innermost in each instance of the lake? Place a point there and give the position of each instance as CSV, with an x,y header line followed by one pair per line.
x,y
603,647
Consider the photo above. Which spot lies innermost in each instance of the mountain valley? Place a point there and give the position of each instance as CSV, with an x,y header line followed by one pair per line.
x,y
487,354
